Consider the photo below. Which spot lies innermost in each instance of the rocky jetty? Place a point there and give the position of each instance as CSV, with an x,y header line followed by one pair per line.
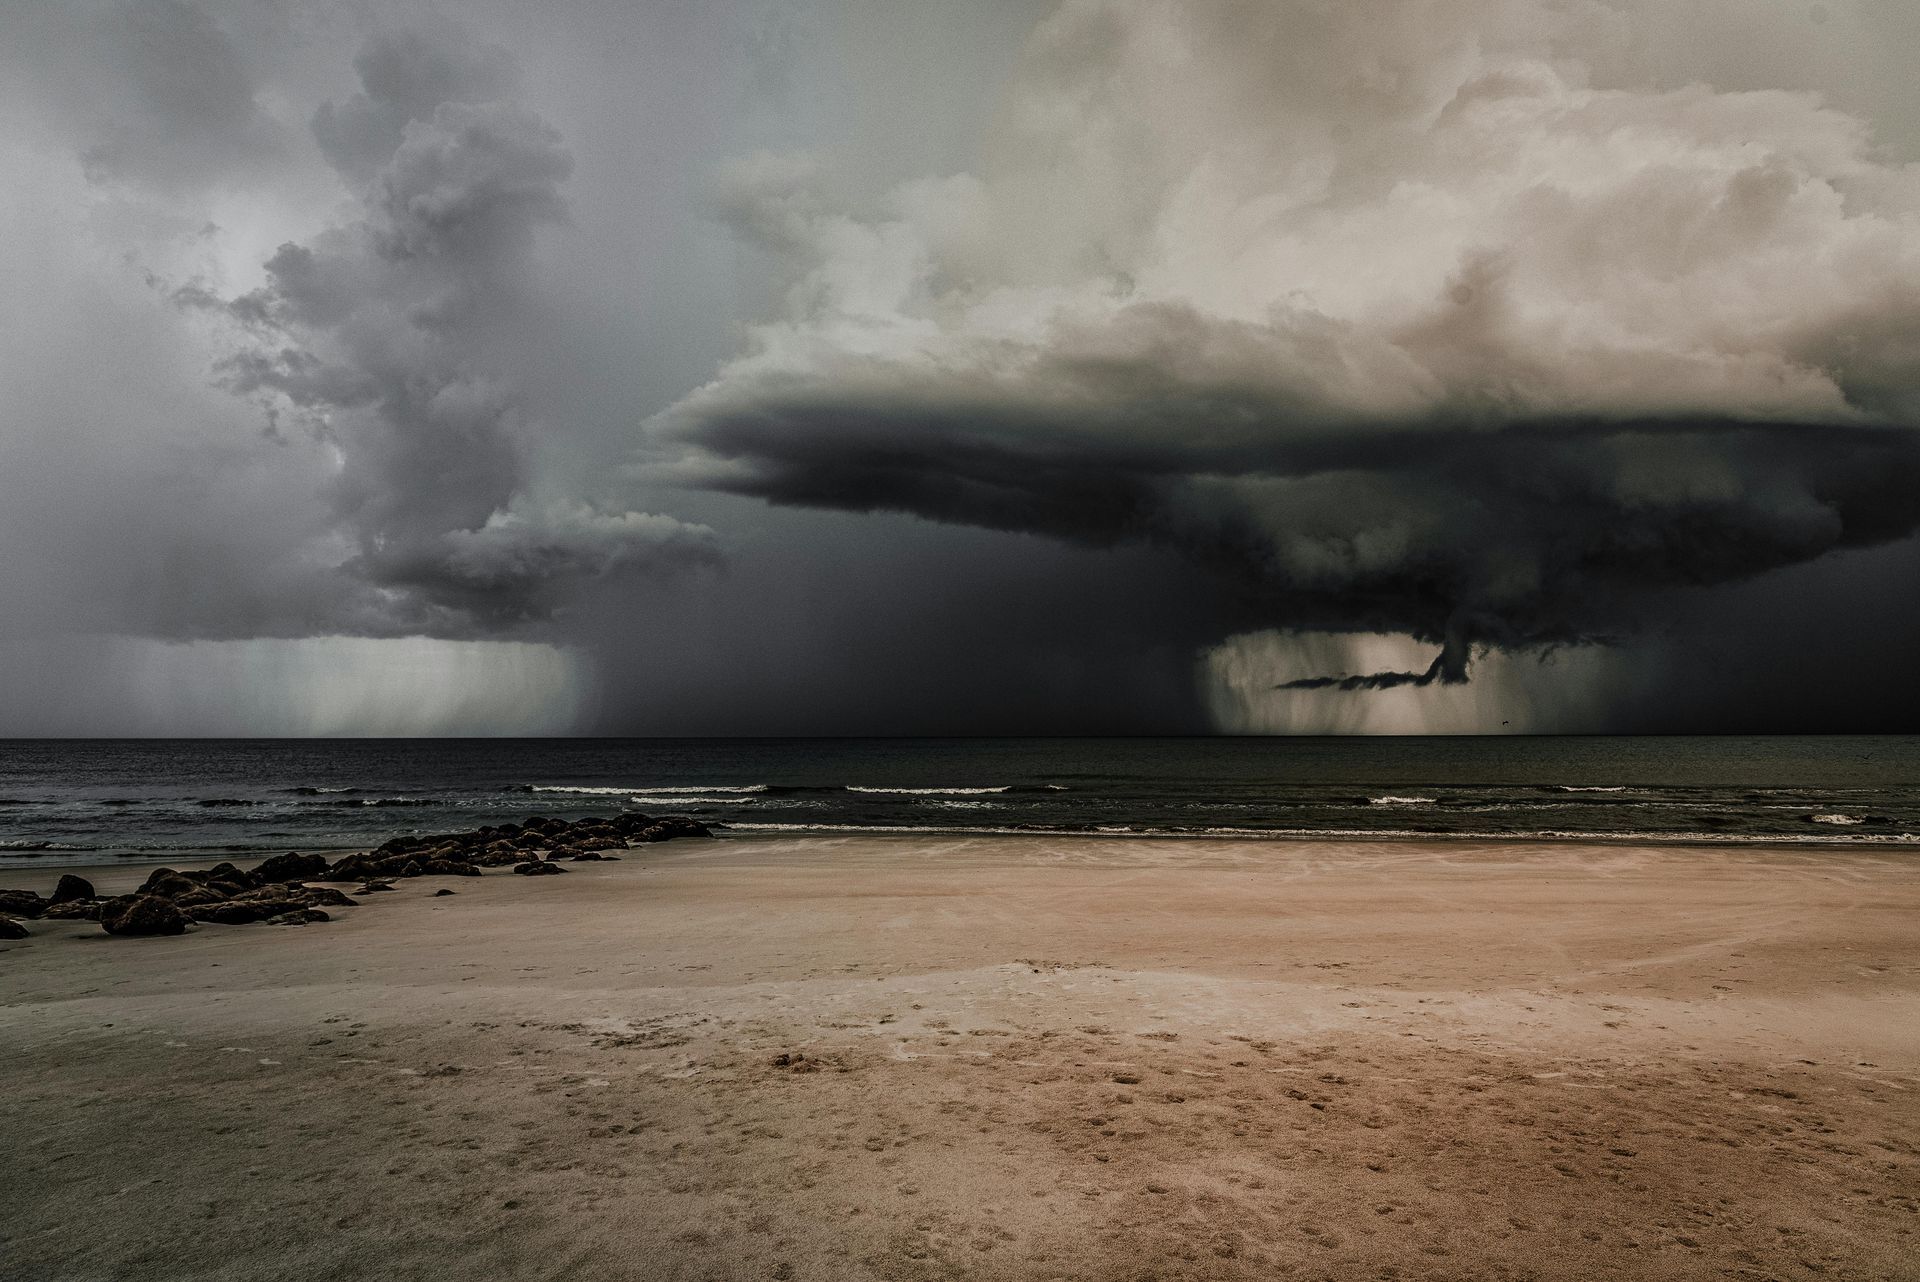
x,y
275,890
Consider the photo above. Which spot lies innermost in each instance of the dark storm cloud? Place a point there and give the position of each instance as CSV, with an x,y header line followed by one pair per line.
x,y
1485,321
1523,535
388,338
1449,667
1464,348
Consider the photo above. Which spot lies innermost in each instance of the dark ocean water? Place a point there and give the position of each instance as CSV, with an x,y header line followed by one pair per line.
x,y
64,801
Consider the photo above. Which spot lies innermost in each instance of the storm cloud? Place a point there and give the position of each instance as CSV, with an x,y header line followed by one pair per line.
x,y
848,366
381,337
1409,326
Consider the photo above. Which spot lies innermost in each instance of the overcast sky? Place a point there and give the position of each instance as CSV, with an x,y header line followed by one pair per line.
x,y
850,366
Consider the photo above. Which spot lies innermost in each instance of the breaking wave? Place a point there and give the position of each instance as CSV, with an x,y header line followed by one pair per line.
x,y
676,790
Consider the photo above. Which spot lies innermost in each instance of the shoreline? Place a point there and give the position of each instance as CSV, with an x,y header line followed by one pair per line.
x,y
102,858
870,1057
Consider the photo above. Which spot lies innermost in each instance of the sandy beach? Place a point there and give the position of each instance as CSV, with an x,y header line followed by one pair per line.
x,y
874,1057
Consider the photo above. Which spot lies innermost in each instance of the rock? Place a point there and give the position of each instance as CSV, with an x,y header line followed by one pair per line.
x,y
350,868
411,868
325,897
142,915
73,910
22,903
271,894
225,879
374,886
450,868
167,882
11,929
588,857
442,891
200,895
298,917
240,912
292,866
535,868
666,829
70,889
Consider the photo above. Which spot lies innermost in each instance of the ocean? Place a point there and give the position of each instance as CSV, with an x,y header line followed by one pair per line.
x,y
76,801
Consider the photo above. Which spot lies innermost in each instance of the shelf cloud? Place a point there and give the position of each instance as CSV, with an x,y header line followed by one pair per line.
x,y
1401,320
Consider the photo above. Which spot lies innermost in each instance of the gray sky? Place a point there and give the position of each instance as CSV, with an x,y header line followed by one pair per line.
x,y
843,367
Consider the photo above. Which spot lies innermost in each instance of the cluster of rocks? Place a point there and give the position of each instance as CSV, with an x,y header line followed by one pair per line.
x,y
274,891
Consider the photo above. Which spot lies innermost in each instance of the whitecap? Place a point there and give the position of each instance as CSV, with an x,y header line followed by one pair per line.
x,y
930,792
675,790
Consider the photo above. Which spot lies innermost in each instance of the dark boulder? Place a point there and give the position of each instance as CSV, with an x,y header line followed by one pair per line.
x,y
292,866
373,886
298,917
11,929
270,894
74,910
239,912
142,915
22,903
324,897
167,882
450,868
224,874
535,868
350,868
442,891
70,889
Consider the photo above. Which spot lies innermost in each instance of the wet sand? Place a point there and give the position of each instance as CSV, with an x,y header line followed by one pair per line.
x,y
1017,1058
